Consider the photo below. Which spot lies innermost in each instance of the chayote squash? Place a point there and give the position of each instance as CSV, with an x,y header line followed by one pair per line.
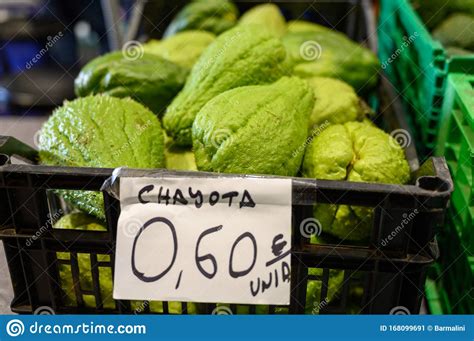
x,y
183,48
179,158
354,151
456,31
214,16
432,12
314,304
101,131
305,26
456,51
84,222
241,56
259,129
149,79
464,6
267,16
335,102
332,54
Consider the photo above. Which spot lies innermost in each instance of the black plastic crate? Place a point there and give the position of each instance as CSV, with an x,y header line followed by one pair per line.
x,y
377,278
386,276
352,17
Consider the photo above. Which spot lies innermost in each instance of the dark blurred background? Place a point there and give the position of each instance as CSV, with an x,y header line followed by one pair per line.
x,y
44,43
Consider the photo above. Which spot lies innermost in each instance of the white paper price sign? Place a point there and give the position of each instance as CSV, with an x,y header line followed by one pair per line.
x,y
223,240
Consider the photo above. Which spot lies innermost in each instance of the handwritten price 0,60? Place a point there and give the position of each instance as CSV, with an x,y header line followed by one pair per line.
x,y
198,258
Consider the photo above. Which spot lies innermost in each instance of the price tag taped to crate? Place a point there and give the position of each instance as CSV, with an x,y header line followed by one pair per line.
x,y
225,240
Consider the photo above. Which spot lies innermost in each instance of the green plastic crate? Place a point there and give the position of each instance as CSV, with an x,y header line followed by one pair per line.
x,y
451,285
458,264
418,66
456,143
436,297
450,282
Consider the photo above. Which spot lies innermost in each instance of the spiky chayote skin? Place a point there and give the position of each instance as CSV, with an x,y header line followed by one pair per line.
x,y
354,151
241,56
105,132
259,129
